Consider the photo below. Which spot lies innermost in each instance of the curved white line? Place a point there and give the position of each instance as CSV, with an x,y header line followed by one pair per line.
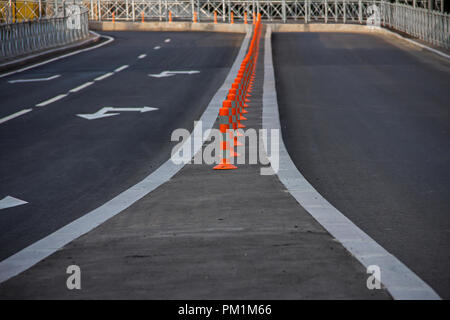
x,y
399,280
110,39
41,249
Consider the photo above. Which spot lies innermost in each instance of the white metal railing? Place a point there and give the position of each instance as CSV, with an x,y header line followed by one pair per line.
x,y
430,26
30,36
409,16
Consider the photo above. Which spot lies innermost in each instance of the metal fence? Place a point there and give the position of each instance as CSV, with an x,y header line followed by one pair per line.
x,y
12,11
432,27
271,10
428,25
30,36
413,17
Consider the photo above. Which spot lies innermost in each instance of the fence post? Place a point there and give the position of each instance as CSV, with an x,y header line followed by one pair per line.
x,y
192,10
306,11
133,12
326,11
360,11
336,11
283,10
198,10
167,13
223,10
99,11
345,11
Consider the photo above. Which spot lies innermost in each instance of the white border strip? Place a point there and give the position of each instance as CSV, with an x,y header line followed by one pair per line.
x,y
110,39
399,280
43,248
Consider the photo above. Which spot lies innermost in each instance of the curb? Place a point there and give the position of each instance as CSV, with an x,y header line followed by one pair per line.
x,y
169,26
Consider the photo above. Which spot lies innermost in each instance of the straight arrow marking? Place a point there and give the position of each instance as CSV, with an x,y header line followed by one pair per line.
x,y
8,202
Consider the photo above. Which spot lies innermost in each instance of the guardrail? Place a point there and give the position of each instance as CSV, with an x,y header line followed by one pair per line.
x,y
428,25
30,36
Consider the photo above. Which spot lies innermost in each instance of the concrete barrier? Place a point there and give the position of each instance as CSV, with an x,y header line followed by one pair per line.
x,y
168,26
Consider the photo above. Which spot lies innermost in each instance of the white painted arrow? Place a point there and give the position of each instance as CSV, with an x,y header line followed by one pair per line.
x,y
172,73
103,112
36,79
9,201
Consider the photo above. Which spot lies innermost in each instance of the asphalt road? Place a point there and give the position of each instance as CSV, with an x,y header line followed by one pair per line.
x,y
65,166
367,122
205,234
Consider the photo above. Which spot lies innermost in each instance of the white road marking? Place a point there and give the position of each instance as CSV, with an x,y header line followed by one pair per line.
x,y
157,48
15,115
121,68
167,40
399,280
35,80
8,202
103,112
110,39
87,84
172,73
46,102
106,75
26,258
142,56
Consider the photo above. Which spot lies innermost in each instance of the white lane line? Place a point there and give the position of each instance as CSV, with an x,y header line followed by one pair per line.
x,y
157,48
142,56
121,68
43,248
106,75
167,40
110,39
46,102
84,85
8,202
15,115
36,79
399,280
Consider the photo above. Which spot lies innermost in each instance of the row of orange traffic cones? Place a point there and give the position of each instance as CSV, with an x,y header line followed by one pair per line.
x,y
231,115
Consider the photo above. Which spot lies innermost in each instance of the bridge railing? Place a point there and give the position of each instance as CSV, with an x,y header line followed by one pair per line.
x,y
428,25
431,26
30,36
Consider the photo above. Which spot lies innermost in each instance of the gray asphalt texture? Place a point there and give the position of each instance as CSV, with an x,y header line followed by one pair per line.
x,y
205,235
66,166
366,119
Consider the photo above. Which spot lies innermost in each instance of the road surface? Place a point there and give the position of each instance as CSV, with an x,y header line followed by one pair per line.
x,y
366,119
64,165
